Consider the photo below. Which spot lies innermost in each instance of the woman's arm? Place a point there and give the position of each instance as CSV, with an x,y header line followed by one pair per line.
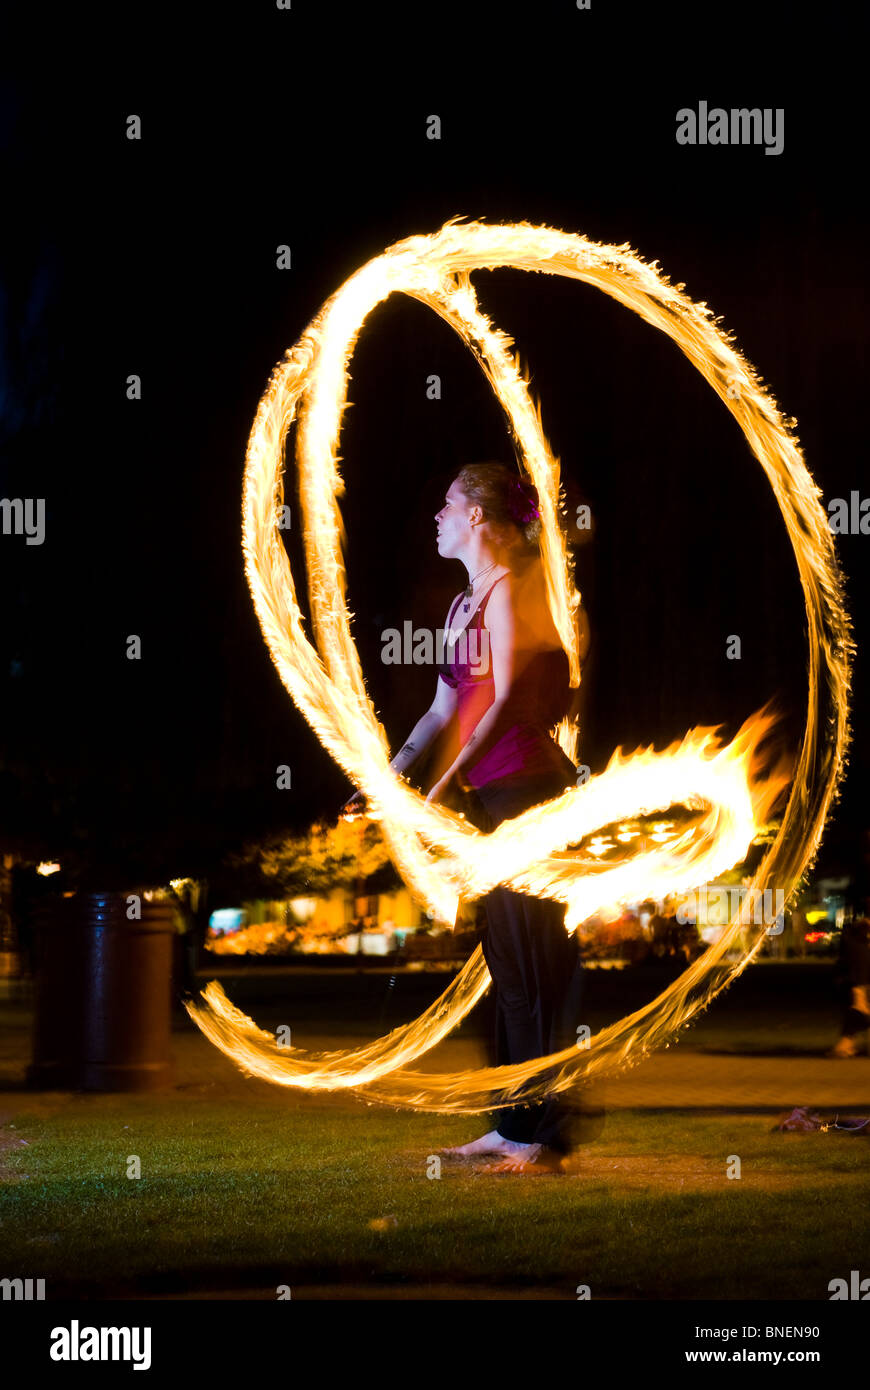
x,y
439,713
437,716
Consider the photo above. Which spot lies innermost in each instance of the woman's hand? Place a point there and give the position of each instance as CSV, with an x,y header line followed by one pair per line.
x,y
452,785
439,790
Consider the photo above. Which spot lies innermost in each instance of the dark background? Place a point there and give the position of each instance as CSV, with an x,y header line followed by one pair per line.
x,y
308,127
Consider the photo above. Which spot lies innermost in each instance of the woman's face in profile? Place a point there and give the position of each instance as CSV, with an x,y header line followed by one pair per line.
x,y
452,522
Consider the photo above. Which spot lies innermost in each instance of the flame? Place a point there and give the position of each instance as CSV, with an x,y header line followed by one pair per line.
x,y
443,859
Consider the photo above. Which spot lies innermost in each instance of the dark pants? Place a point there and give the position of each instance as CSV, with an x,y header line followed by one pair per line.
x,y
854,1023
536,969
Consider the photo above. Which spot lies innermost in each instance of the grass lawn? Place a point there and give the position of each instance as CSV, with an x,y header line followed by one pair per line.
x,y
262,1192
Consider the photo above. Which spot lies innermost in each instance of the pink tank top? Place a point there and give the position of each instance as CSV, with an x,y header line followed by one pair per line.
x,y
540,696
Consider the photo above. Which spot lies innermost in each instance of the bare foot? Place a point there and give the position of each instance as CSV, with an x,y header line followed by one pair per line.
x,y
491,1143
536,1159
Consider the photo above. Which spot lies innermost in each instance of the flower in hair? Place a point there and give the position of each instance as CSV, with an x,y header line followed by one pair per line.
x,y
523,506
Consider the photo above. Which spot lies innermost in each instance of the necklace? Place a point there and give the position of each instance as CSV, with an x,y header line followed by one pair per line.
x,y
469,588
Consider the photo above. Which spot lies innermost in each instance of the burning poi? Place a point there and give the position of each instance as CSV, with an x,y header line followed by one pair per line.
x,y
441,857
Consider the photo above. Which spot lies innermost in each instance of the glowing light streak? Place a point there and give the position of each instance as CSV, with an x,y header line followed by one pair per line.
x,y
440,856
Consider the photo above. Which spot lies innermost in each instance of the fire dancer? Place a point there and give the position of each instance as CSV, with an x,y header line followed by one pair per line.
x,y
507,762
853,979
508,690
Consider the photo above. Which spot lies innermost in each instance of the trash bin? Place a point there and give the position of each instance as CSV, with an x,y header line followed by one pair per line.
x,y
102,993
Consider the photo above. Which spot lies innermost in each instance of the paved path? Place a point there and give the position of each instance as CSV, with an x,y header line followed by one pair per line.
x,y
675,1077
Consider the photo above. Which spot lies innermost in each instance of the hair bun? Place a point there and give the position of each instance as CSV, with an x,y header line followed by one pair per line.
x,y
523,501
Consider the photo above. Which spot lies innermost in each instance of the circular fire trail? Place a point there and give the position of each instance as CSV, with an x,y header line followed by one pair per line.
x,y
441,857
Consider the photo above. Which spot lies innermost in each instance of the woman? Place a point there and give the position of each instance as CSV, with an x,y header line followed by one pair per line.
x,y
506,681
852,976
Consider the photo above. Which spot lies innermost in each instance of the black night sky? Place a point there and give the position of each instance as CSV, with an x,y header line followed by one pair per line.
x,y
157,258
